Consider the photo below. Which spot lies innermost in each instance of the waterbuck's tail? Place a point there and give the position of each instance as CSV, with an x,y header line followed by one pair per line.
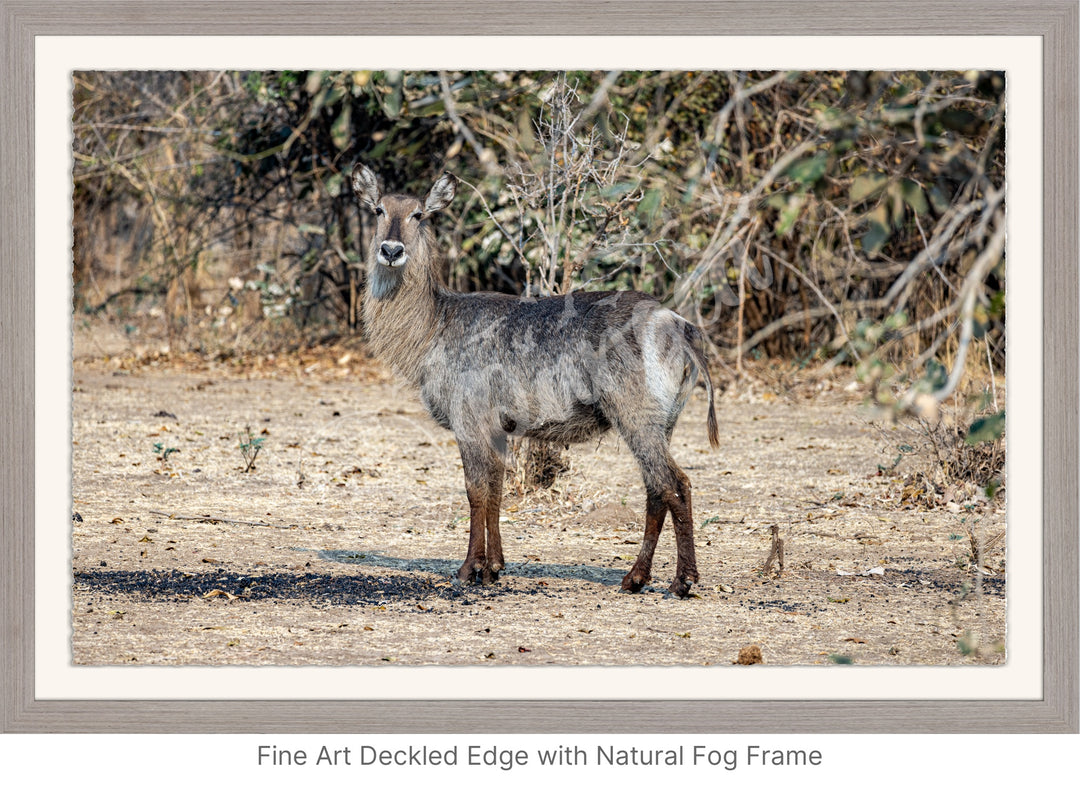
x,y
697,348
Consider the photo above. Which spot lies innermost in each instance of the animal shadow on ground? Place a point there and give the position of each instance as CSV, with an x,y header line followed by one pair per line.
x,y
332,589
445,568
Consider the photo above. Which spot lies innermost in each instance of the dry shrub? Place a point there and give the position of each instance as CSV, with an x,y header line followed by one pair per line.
x,y
536,465
948,468
960,462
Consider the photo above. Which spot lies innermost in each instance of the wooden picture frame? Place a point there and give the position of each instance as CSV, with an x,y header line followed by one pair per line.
x,y
1055,21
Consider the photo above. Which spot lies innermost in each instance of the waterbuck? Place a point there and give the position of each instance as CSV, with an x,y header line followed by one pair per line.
x,y
561,368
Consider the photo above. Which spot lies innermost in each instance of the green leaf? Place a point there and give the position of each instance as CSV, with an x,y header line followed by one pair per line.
x,y
808,171
789,214
878,233
650,204
980,321
936,375
381,147
318,101
938,200
997,304
392,100
914,196
866,186
428,110
616,190
896,321
335,94
334,183
987,429
340,131
896,204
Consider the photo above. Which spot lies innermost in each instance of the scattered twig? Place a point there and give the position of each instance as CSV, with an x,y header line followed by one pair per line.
x,y
206,518
817,291
483,155
969,293
776,552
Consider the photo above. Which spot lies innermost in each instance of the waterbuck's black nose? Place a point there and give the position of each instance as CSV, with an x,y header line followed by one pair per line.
x,y
391,251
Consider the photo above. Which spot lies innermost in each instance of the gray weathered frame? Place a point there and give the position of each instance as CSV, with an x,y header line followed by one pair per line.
x,y
1056,21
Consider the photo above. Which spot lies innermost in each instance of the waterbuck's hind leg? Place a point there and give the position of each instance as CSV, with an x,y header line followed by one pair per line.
x,y
668,490
640,574
678,502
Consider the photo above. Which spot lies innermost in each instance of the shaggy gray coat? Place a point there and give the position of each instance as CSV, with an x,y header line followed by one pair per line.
x,y
564,369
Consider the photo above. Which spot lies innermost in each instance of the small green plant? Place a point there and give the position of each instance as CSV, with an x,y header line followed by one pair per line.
x,y
250,445
164,452
903,449
968,643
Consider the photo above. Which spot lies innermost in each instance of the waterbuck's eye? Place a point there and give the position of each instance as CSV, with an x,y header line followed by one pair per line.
x,y
379,210
417,216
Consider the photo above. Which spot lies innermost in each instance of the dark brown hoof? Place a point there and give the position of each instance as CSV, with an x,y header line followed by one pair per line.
x,y
489,576
681,586
634,582
469,574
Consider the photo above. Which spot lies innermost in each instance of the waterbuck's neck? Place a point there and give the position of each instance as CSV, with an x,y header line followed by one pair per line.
x,y
401,312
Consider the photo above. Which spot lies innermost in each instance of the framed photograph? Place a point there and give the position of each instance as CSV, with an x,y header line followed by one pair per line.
x,y
303,306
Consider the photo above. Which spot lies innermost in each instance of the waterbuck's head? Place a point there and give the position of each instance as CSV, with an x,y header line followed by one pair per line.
x,y
401,230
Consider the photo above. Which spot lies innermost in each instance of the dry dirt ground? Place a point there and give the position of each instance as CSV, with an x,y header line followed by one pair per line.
x,y
338,547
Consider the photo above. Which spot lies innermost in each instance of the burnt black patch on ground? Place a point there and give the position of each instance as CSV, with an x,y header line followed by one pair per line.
x,y
314,589
448,568
900,581
954,581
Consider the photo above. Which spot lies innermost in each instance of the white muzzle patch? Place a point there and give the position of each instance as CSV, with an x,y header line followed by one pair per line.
x,y
392,254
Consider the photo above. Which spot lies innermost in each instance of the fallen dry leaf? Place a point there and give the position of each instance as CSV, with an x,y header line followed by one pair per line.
x,y
219,592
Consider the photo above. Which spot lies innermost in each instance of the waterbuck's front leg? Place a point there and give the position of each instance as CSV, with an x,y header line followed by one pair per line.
x,y
483,486
472,569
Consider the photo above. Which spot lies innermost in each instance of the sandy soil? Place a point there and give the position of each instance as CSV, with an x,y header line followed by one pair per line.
x,y
338,547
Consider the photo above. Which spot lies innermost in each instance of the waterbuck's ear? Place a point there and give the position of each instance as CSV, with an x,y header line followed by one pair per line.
x,y
441,194
365,186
